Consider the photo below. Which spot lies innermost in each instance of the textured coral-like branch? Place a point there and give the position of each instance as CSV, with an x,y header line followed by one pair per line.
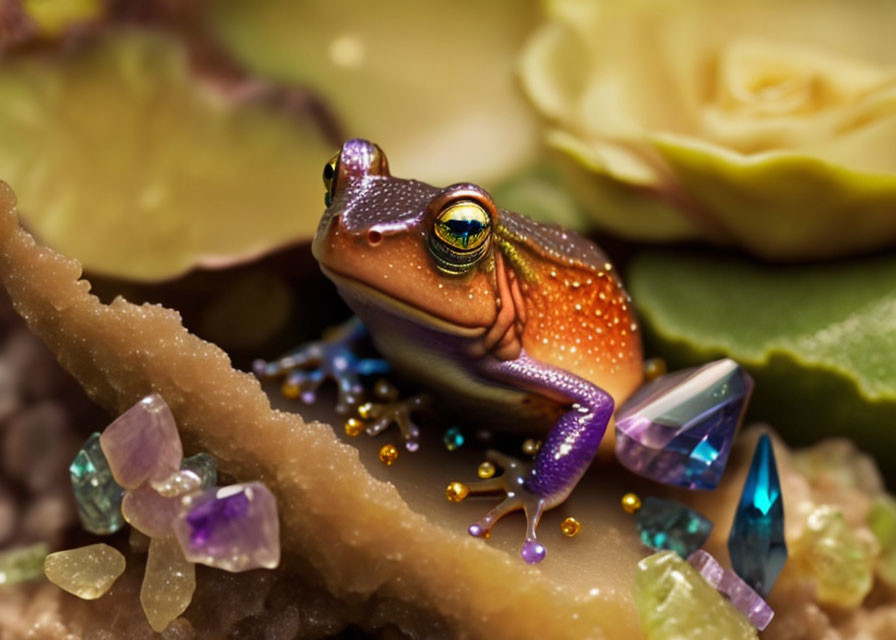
x,y
355,530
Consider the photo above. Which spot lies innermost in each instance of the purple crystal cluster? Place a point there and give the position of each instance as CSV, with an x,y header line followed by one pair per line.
x,y
744,599
235,528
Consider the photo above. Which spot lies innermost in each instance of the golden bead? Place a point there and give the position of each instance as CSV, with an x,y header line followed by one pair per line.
x,y
570,527
486,470
366,410
531,446
290,390
354,427
456,491
388,454
654,368
631,502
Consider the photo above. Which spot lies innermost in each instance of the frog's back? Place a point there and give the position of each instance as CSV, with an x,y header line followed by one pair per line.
x,y
576,314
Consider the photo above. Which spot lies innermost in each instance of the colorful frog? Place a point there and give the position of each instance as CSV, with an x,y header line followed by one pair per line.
x,y
521,325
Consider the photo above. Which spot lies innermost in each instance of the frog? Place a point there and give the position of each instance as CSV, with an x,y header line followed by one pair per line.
x,y
519,325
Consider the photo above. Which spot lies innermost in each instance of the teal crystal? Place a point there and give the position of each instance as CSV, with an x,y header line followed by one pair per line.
x,y
453,439
671,526
204,466
97,495
756,544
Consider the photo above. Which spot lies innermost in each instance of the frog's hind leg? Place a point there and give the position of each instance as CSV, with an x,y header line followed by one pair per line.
x,y
563,458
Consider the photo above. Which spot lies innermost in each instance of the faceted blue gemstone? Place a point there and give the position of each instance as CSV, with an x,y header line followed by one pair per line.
x,y
97,495
679,428
756,544
669,525
453,439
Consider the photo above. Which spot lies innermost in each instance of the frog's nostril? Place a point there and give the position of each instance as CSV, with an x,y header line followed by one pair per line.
x,y
374,237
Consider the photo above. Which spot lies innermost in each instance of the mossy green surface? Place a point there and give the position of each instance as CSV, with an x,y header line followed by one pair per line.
x,y
819,340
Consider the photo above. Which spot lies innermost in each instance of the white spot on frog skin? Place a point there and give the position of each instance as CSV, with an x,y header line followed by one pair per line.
x,y
347,51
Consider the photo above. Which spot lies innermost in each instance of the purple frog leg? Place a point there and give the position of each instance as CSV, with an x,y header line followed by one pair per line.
x,y
561,461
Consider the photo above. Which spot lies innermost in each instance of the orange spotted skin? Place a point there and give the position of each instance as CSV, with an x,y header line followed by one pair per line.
x,y
581,320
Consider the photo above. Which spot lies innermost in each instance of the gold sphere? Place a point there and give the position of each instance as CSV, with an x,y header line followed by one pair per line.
x,y
631,502
456,491
354,427
570,527
486,470
388,454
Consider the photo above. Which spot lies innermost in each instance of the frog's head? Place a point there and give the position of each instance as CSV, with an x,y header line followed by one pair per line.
x,y
418,250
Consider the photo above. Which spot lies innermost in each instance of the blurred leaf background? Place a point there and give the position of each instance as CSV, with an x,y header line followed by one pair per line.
x,y
735,158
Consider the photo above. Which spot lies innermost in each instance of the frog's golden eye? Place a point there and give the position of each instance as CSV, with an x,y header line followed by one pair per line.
x,y
460,236
330,171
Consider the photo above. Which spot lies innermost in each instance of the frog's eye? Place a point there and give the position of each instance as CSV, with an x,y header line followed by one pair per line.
x,y
330,171
460,236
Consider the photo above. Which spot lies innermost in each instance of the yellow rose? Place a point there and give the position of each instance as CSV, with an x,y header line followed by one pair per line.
x,y
771,125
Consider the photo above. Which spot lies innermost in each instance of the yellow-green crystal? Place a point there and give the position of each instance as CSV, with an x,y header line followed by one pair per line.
x,y
835,558
882,520
22,563
675,602
87,572
168,584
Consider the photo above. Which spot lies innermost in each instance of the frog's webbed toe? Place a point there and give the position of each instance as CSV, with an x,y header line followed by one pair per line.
x,y
398,412
305,369
513,484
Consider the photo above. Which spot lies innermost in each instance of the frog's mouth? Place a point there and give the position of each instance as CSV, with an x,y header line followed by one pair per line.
x,y
354,288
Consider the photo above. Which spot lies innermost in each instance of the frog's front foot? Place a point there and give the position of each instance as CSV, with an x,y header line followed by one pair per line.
x,y
394,411
512,483
333,358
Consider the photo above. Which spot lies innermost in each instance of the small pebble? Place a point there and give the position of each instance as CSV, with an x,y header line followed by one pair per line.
x,y
87,572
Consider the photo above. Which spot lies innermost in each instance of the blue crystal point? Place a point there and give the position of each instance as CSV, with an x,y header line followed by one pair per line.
x,y
97,495
678,429
756,544
669,525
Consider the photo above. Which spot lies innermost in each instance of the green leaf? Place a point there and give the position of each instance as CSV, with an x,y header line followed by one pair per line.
x,y
123,159
819,340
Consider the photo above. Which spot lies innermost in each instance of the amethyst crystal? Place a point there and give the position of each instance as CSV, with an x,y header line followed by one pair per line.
x,y
747,601
679,428
142,444
233,528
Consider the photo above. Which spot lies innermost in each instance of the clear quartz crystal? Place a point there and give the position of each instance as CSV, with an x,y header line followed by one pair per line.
x,y
168,583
